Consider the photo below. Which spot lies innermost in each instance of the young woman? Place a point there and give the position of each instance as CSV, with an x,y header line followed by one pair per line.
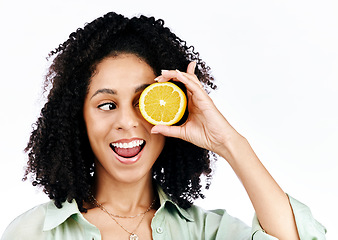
x,y
112,175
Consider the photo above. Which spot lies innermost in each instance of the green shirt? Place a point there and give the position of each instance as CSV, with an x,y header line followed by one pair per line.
x,y
170,222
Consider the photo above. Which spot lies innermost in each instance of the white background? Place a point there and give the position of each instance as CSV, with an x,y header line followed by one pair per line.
x,y
276,65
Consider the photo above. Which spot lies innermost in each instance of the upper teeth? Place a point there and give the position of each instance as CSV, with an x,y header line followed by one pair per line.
x,y
131,144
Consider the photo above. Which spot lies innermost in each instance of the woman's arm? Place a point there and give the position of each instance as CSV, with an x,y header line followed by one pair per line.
x,y
271,204
206,127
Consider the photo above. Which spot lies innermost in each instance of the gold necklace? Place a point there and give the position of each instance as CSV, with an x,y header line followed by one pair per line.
x,y
133,235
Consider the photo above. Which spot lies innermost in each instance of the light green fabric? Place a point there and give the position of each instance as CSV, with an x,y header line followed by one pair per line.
x,y
170,222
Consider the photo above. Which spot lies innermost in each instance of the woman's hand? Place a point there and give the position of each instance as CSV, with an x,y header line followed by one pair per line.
x,y
205,127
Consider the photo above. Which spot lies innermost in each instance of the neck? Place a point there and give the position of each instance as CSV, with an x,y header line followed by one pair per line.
x,y
124,197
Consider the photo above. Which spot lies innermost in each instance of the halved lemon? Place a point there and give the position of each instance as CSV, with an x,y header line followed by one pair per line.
x,y
162,103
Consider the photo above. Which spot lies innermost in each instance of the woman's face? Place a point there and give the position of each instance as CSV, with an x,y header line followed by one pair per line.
x,y
120,137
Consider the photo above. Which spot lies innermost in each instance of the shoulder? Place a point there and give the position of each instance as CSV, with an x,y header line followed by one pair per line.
x,y
216,216
196,212
218,221
28,225
212,224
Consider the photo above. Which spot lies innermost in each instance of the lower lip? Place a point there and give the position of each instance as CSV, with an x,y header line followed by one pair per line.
x,y
128,161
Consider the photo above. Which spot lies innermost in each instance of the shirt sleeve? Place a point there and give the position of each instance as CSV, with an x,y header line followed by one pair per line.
x,y
308,227
26,226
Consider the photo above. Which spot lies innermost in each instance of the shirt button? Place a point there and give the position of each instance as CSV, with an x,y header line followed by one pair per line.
x,y
159,230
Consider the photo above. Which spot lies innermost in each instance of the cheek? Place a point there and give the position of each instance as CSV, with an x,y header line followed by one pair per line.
x,y
95,127
148,126
89,121
158,141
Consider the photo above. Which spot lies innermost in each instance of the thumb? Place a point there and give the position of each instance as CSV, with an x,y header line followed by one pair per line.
x,y
169,131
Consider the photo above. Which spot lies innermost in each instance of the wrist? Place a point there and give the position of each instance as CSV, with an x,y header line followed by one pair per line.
x,y
235,148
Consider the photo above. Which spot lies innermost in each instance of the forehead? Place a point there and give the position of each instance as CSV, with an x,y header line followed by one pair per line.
x,y
121,71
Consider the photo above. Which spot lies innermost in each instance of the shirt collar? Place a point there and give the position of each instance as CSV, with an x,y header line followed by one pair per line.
x,y
55,216
166,199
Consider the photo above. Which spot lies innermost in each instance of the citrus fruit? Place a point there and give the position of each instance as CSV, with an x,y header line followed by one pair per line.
x,y
162,103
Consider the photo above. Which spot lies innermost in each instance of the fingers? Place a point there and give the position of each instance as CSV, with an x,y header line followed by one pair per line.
x,y
189,78
192,78
169,131
175,75
191,67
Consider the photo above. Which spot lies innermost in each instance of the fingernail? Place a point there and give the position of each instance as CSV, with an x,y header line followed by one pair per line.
x,y
156,79
164,71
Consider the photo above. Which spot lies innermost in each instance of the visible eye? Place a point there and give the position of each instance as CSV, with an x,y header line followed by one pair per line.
x,y
136,101
107,106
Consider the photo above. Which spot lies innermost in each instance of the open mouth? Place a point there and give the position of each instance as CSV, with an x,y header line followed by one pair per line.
x,y
128,150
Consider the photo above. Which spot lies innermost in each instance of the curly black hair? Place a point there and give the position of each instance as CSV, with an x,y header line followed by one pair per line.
x,y
60,159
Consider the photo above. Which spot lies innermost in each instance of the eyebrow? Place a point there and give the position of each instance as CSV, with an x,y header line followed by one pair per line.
x,y
104,90
141,87
113,92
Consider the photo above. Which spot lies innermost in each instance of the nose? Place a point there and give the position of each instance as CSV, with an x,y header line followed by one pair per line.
x,y
127,118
